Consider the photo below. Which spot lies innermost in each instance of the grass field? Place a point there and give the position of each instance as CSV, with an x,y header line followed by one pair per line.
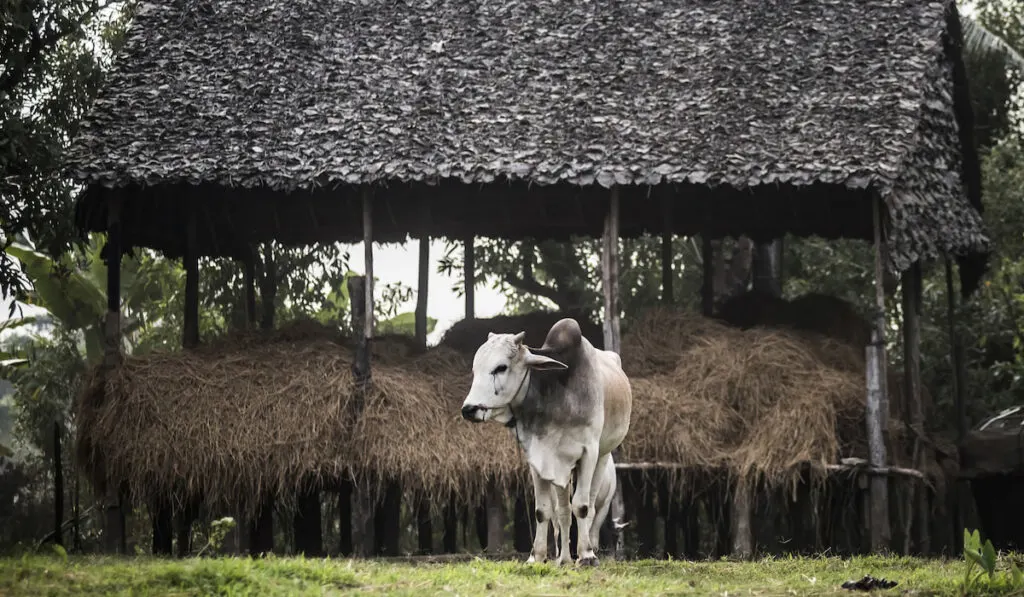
x,y
53,575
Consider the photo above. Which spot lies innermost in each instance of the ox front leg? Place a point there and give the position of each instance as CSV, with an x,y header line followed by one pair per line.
x,y
583,506
563,515
543,499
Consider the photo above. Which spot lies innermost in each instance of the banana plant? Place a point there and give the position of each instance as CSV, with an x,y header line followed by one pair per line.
x,y
72,289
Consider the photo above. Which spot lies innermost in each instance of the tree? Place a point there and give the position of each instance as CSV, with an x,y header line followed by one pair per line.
x,y
54,55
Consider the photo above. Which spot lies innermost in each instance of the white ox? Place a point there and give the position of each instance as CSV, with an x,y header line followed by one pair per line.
x,y
569,404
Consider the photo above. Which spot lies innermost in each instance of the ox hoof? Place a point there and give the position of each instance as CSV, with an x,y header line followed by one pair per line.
x,y
534,560
591,561
562,561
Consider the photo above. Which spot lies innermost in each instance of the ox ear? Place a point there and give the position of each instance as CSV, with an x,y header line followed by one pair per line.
x,y
540,362
519,338
491,335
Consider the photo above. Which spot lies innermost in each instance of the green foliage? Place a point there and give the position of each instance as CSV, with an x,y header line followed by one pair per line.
x,y
403,323
983,556
218,531
52,57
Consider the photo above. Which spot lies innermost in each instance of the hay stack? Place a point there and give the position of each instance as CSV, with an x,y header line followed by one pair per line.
x,y
252,413
757,403
466,335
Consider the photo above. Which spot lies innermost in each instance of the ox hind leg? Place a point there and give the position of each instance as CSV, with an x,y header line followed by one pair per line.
x,y
583,503
605,481
544,512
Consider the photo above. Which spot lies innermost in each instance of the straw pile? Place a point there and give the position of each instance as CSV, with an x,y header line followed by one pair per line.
x,y
756,403
253,413
466,335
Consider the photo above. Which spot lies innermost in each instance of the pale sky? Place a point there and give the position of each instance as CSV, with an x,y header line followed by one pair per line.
x,y
400,263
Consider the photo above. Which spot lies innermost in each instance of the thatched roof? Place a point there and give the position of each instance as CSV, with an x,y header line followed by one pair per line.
x,y
810,106
251,415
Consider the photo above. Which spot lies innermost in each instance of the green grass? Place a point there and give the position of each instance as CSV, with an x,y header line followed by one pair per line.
x,y
52,575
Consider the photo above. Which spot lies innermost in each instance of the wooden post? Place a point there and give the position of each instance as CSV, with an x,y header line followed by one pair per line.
x,y
912,390
190,335
610,274
469,275
767,267
449,541
495,519
387,521
424,526
114,540
962,495
670,518
58,487
261,528
163,540
610,289
345,518
368,260
667,293
742,529
421,293
707,297
877,402
250,290
522,521
307,521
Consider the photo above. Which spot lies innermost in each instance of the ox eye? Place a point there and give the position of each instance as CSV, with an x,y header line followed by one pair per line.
x,y
499,369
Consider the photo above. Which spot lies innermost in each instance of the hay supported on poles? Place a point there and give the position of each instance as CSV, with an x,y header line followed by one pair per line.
x,y
759,404
466,335
252,414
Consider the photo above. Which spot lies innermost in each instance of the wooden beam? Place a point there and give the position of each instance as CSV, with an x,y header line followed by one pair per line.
x,y
469,276
877,402
956,355
114,519
190,333
421,292
912,393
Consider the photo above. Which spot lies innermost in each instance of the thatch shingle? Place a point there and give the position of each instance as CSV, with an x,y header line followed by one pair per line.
x,y
836,98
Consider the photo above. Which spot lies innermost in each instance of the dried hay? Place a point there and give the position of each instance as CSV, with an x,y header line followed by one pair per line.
x,y
256,412
467,335
733,399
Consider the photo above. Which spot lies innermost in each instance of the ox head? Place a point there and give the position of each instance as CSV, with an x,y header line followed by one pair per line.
x,y
501,368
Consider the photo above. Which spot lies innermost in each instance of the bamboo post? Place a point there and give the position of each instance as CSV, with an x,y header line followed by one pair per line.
x,y
469,277
877,402
912,384
190,334
114,519
962,495
368,258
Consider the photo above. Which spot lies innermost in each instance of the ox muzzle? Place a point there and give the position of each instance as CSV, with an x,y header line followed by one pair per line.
x,y
474,413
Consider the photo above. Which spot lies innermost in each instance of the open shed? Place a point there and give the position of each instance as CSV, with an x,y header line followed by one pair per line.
x,y
225,124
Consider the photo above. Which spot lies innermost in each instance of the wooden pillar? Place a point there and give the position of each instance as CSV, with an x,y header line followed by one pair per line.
x,y
877,401
469,277
345,518
190,335
421,292
449,542
767,267
307,523
58,487
689,515
667,292
495,519
742,507
707,297
610,290
424,526
962,494
163,541
250,290
670,518
114,520
387,521
261,528
523,523
912,383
